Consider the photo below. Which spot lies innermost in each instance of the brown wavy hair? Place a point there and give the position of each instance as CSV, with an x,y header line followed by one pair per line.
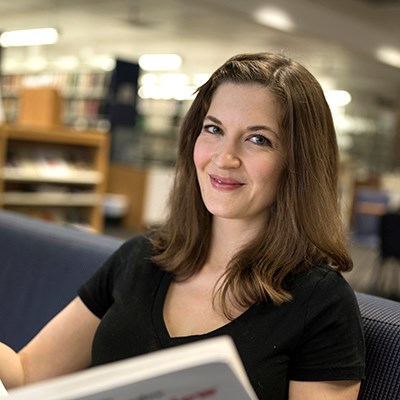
x,y
304,226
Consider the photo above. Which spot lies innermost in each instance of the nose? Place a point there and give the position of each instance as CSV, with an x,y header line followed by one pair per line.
x,y
227,155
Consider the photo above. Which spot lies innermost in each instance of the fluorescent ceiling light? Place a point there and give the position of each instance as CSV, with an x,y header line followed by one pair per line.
x,y
148,79
160,62
67,62
389,55
104,62
274,18
28,37
159,92
173,80
337,98
36,63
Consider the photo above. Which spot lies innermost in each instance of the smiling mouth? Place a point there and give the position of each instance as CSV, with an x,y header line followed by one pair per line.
x,y
224,183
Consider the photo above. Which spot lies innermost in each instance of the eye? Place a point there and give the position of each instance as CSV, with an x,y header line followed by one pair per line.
x,y
213,129
260,140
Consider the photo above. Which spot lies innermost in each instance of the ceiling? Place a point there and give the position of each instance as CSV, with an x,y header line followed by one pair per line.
x,y
335,39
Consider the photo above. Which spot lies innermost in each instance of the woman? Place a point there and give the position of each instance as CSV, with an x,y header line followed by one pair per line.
x,y
253,248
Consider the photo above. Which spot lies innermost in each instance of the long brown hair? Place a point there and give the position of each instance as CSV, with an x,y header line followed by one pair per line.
x,y
304,227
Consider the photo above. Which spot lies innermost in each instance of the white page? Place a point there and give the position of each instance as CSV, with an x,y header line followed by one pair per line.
x,y
3,391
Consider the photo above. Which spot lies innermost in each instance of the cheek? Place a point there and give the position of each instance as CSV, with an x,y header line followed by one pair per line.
x,y
199,155
272,174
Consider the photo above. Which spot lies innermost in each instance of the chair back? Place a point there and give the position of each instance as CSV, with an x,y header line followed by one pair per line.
x,y
381,318
42,265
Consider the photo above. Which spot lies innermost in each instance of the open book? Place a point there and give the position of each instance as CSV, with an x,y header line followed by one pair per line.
x,y
3,391
210,369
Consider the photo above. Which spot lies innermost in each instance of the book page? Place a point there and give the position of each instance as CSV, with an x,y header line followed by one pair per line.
x,y
3,391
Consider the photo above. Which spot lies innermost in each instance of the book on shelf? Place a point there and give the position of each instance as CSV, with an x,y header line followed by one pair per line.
x,y
207,369
72,86
67,175
50,164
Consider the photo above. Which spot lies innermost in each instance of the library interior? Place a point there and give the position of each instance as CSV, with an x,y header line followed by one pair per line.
x,y
89,120
92,97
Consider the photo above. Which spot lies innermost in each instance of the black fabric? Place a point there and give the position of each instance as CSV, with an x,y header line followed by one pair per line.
x,y
381,319
317,336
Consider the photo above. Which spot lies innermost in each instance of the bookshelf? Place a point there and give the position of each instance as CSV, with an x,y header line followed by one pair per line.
x,y
55,173
86,98
82,94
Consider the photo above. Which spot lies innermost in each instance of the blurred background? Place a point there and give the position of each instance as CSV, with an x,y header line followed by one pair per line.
x,y
89,120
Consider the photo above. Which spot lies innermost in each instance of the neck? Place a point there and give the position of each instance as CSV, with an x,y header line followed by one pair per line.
x,y
227,237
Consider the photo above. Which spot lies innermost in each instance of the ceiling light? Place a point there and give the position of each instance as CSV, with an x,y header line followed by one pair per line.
x,y
274,18
337,98
160,62
167,92
36,63
28,37
104,62
67,62
174,80
148,79
389,55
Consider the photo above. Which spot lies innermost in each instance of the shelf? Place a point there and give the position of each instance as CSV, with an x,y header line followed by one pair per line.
x,y
57,174
56,135
73,176
51,199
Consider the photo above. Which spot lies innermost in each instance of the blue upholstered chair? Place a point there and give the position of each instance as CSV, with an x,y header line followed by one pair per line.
x,y
41,266
381,319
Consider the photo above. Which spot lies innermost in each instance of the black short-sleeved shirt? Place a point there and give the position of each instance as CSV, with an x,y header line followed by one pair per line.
x,y
315,337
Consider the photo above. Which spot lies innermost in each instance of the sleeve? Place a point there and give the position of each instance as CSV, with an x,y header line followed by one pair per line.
x,y
332,344
97,292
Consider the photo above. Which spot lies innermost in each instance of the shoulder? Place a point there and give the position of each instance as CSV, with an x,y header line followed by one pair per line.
x,y
134,256
319,278
322,293
330,333
137,245
128,270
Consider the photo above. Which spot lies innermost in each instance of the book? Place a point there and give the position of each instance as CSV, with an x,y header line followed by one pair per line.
x,y
209,369
3,391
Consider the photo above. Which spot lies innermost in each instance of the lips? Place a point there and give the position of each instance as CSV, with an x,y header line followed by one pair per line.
x,y
224,183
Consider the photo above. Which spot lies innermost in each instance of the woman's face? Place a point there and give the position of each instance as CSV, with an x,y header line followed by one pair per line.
x,y
238,154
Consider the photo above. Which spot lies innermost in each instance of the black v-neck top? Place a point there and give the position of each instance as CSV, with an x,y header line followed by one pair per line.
x,y
315,337
162,330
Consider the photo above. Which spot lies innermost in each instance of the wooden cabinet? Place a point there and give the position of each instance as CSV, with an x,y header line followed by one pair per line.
x,y
54,173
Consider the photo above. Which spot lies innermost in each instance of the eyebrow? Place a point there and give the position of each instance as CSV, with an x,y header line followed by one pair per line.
x,y
249,128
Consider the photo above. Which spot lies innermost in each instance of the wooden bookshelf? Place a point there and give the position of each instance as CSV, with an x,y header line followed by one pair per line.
x,y
54,173
81,94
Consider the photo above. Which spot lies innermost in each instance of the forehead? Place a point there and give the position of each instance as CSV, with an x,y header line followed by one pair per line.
x,y
255,93
252,102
